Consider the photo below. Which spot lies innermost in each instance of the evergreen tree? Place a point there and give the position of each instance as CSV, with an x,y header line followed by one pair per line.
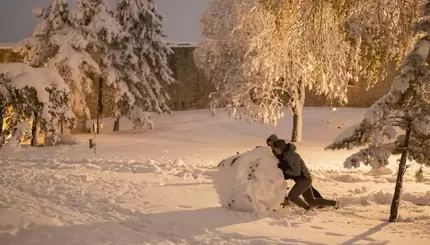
x,y
142,56
399,122
45,102
104,35
58,42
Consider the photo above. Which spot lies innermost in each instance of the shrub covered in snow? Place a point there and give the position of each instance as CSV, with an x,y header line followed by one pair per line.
x,y
140,118
19,133
63,139
250,181
39,94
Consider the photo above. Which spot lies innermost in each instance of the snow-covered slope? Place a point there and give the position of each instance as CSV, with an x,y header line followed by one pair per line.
x,y
155,187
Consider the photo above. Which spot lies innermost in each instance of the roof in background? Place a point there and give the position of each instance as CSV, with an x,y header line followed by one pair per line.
x,y
180,44
172,44
7,45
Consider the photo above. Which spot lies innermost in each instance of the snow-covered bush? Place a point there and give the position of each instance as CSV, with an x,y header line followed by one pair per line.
x,y
63,139
140,118
20,133
39,94
250,181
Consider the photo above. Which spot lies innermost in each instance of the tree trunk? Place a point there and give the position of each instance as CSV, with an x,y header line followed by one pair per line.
x,y
1,122
34,131
99,104
116,124
61,127
399,183
296,135
1,127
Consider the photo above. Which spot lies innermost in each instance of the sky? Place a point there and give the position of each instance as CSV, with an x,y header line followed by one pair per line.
x,y
181,18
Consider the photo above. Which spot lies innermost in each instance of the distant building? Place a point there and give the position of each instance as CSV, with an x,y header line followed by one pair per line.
x,y
7,45
181,44
7,54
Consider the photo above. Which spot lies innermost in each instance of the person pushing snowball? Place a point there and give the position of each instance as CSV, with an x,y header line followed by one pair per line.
x,y
293,167
270,140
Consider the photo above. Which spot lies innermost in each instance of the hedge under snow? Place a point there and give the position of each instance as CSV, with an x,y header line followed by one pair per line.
x,y
250,182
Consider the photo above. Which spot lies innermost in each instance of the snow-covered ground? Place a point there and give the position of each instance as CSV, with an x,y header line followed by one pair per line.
x,y
155,187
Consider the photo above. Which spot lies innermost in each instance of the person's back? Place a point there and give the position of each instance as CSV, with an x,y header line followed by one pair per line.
x,y
290,156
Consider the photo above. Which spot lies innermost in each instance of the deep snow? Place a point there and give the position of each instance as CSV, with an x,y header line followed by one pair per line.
x,y
155,187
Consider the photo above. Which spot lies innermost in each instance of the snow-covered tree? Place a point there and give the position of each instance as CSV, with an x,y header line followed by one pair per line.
x,y
39,94
4,94
379,31
104,35
261,55
59,42
398,123
142,56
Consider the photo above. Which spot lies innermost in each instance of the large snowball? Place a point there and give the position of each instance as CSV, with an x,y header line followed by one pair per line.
x,y
250,181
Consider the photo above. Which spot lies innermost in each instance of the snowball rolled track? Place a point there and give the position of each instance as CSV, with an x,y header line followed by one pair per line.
x,y
250,182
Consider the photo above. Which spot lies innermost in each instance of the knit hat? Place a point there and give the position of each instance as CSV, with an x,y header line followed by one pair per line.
x,y
272,138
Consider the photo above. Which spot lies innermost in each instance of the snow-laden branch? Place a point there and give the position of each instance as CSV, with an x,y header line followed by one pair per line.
x,y
32,91
257,56
403,108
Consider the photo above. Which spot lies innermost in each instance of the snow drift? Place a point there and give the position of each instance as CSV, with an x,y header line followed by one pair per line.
x,y
250,181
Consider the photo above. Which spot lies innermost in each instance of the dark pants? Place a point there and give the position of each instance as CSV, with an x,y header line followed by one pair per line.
x,y
303,188
317,194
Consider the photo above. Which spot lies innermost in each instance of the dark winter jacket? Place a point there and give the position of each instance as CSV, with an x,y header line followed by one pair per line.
x,y
291,163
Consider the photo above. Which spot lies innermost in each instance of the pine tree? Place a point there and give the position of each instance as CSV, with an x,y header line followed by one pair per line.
x,y
104,35
46,101
398,123
58,42
143,58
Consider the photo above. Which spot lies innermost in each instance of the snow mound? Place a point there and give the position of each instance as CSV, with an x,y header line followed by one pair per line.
x,y
385,198
250,182
63,139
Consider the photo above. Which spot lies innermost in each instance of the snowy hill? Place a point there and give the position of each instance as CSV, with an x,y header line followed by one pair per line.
x,y
155,187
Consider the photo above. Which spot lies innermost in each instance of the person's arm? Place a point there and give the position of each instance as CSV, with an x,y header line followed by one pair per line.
x,y
295,168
